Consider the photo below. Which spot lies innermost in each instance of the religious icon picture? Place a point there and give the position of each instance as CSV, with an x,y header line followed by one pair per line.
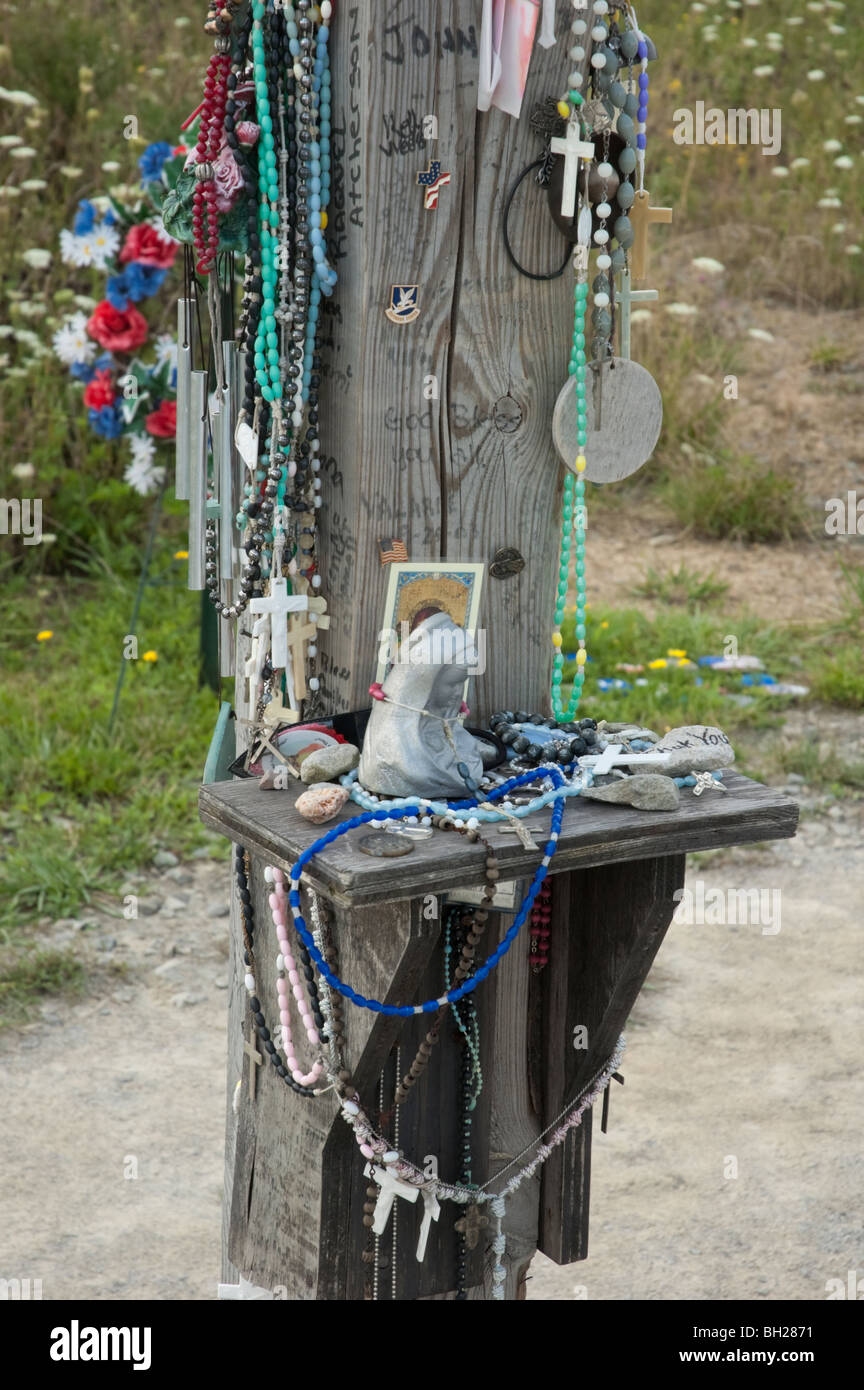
x,y
403,306
417,590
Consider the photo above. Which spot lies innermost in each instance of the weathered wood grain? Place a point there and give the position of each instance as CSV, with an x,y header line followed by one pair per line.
x,y
592,833
438,431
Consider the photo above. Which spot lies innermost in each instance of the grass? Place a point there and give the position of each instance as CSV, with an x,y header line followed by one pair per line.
x,y
681,587
25,977
823,768
81,808
736,498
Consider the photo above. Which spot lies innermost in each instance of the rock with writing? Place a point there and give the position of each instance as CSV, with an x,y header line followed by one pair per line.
x,y
321,802
695,748
646,791
326,764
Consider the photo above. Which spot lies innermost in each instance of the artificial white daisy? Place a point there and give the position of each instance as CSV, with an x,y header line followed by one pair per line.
x,y
106,243
166,351
142,475
71,342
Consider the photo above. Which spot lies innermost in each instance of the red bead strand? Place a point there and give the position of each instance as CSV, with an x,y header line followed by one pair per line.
x,y
541,916
205,218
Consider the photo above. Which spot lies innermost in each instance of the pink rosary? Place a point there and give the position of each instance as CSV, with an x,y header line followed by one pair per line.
x,y
285,963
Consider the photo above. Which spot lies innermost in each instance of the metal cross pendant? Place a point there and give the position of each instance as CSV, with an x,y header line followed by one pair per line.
x,y
432,181
471,1224
706,782
255,1060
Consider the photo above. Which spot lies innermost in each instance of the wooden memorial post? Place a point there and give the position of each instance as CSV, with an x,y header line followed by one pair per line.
x,y
436,429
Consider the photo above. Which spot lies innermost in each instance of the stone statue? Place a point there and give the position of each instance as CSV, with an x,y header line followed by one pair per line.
x,y
415,737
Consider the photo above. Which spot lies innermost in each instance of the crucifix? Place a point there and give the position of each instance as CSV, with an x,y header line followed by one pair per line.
x,y
624,298
431,180
573,148
299,633
255,1060
182,439
277,605
471,1224
642,216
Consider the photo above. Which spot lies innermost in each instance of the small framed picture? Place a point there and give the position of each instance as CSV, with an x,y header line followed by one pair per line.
x,y
416,590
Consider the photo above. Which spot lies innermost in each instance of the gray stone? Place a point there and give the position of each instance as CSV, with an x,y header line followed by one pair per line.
x,y
175,904
164,859
218,908
695,748
148,907
646,791
326,764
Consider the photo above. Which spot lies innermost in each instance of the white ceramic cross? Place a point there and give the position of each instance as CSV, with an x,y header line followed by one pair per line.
x,y
391,1188
573,148
431,1212
254,668
624,297
278,604
613,755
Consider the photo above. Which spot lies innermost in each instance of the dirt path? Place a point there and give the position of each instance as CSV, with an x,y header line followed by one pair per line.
x,y
744,1045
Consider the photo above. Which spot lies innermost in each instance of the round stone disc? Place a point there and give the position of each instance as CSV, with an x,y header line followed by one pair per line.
x,y
631,414
382,845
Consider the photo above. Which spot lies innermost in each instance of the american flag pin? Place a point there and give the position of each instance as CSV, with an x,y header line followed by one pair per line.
x,y
390,549
432,180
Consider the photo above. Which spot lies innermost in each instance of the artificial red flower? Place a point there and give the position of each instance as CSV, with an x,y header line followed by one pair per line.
x,y
146,244
100,391
162,422
117,330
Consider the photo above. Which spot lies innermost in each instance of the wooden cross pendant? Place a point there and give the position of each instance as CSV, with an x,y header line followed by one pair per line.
x,y
624,298
642,216
255,1060
471,1224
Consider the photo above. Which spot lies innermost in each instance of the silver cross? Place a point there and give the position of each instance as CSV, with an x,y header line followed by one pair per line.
x,y
706,782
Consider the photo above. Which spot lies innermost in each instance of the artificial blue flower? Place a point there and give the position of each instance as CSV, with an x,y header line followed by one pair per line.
x,y
108,421
117,291
151,161
85,218
103,362
135,282
82,371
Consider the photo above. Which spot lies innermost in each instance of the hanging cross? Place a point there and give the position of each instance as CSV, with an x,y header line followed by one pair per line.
x,y
573,148
253,671
613,755
243,1290
431,1212
391,1187
624,297
255,1060
299,633
278,604
642,216
471,1224
432,180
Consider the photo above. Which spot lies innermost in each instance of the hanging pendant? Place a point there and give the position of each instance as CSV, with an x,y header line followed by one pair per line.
x,y
184,370
624,411
224,472
198,433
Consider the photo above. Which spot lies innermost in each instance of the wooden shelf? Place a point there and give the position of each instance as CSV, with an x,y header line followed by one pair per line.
x,y
592,834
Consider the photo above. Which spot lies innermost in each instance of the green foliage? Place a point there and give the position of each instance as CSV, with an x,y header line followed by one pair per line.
x,y
681,587
24,976
81,808
736,498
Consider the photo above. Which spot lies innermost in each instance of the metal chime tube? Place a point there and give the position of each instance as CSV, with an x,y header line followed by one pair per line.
x,y
199,436
225,474
184,371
